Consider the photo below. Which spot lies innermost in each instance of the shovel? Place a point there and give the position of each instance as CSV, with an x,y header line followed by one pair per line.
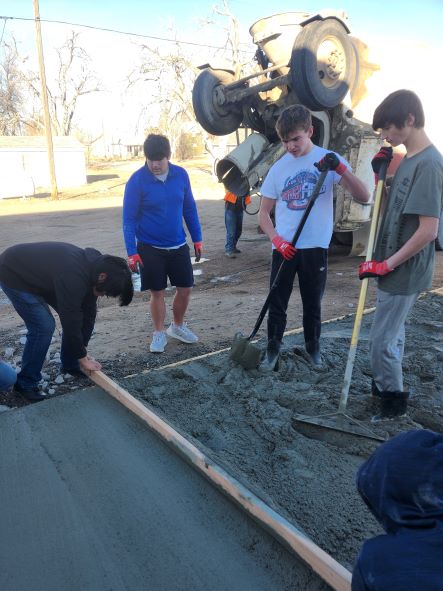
x,y
242,350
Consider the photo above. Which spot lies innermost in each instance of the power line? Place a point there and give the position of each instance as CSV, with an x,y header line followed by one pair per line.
x,y
117,31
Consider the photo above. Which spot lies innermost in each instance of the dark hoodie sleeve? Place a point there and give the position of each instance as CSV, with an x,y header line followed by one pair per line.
x,y
402,485
72,293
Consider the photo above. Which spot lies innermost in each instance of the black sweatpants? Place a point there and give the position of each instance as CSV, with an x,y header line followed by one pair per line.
x,y
311,266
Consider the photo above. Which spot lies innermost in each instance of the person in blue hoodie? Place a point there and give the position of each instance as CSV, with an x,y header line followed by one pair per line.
x,y
158,197
402,484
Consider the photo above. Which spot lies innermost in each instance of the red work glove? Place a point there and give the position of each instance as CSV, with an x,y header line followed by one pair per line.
x,y
198,246
284,247
331,162
373,269
134,262
383,155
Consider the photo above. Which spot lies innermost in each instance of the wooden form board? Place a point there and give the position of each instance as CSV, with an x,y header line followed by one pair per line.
x,y
338,577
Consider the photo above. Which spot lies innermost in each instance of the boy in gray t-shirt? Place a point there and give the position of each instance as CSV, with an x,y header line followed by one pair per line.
x,y
404,253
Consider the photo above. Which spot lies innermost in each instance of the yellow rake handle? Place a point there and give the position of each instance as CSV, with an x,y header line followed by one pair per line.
x,y
363,290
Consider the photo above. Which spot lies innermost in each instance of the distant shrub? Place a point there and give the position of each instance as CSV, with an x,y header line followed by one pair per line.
x,y
188,146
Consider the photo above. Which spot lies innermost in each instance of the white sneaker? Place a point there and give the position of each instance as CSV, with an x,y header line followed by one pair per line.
x,y
182,333
159,342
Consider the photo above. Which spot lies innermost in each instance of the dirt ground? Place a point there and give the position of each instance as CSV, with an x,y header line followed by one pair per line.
x,y
246,421
228,294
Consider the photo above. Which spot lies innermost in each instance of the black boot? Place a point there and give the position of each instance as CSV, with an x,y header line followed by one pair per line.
x,y
393,405
33,394
313,349
270,361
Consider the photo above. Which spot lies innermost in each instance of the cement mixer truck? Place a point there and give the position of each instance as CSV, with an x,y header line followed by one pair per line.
x,y
304,58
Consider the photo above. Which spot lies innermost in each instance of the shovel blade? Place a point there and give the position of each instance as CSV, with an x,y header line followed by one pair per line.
x,y
244,352
238,347
251,356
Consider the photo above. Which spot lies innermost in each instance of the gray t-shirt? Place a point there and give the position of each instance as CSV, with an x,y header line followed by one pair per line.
x,y
416,190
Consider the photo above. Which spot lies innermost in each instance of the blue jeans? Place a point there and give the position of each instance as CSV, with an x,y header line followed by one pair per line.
x,y
40,323
234,227
8,377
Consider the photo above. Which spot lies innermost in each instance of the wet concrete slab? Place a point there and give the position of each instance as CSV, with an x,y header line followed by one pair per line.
x,y
91,499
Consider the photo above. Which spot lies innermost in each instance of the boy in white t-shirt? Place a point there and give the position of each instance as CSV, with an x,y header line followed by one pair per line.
x,y
288,187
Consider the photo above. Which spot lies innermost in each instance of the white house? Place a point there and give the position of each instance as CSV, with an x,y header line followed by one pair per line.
x,y
24,165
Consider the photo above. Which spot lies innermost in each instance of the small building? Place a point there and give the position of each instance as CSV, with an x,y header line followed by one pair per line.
x,y
24,164
126,148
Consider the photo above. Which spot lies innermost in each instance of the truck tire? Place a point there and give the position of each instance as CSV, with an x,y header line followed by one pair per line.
x,y
323,64
439,239
214,118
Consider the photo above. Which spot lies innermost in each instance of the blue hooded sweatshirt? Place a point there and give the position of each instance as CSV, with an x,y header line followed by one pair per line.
x,y
402,484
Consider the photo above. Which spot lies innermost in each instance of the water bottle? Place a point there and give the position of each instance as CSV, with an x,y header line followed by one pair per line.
x,y
136,279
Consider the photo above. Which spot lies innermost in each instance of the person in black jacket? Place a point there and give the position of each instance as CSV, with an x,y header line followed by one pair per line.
x,y
402,485
69,279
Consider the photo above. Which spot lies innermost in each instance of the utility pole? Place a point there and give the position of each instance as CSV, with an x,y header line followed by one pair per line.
x,y
48,131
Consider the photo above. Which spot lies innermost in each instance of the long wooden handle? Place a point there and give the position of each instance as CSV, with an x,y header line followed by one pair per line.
x,y
363,291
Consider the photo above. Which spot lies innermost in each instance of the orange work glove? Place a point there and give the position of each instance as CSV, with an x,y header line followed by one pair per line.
x,y
284,247
198,246
134,262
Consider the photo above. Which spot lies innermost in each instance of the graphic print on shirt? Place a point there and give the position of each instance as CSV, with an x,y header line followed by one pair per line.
x,y
298,189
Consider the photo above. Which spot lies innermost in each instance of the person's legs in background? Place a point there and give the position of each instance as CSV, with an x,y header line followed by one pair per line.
x,y
238,228
231,229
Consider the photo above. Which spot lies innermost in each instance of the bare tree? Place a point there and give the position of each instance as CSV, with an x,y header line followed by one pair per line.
x,y
12,90
232,29
170,76
73,80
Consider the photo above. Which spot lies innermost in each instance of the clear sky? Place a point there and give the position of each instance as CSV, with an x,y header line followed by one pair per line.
x,y
406,33
416,19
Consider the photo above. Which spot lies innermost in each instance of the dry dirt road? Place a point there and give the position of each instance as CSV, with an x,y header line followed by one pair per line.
x,y
228,294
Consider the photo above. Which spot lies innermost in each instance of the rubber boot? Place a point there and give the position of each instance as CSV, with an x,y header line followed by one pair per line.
x,y
313,350
270,360
392,405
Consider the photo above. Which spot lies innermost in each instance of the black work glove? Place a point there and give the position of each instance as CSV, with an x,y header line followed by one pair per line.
x,y
383,155
331,162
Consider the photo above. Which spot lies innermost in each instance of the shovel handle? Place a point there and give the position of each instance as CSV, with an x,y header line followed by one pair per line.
x,y
312,200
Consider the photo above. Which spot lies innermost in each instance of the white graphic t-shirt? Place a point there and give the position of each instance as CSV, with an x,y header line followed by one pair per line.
x,y
291,182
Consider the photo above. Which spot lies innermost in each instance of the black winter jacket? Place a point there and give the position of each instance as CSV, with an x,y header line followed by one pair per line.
x,y
63,275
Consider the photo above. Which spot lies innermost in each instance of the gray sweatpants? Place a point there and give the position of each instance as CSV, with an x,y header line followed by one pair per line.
x,y
387,339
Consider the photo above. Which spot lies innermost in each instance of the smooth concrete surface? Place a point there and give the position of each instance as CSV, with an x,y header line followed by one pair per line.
x,y
91,499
